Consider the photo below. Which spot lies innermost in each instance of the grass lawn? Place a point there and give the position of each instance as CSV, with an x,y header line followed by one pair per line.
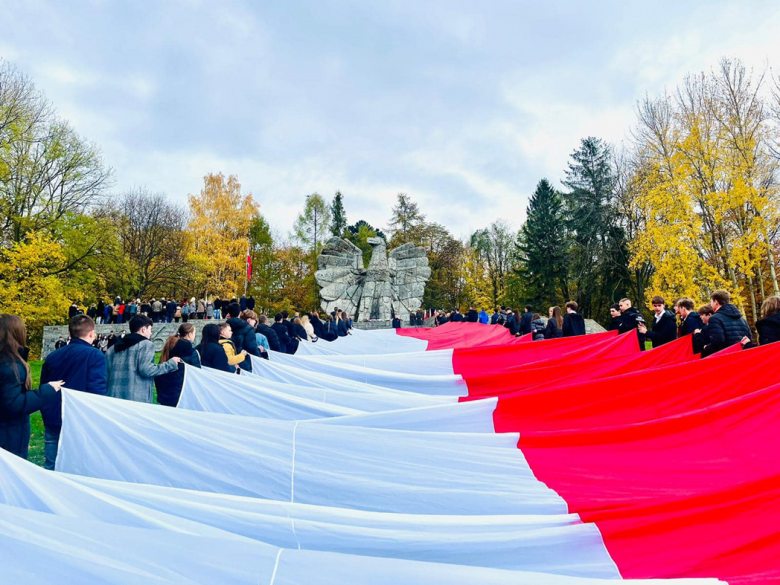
x,y
36,422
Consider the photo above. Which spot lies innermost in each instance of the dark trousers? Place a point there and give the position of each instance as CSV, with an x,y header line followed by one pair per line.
x,y
51,443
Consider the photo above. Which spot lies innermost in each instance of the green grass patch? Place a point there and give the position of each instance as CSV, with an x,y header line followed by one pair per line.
x,y
36,421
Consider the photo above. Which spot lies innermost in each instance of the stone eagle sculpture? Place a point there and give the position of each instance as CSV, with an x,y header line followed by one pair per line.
x,y
392,284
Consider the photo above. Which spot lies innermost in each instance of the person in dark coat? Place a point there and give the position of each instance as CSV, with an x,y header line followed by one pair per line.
x,y
630,318
769,325
212,355
554,327
511,322
701,337
329,329
663,324
614,312
472,316
270,334
146,309
727,326
525,320
282,333
60,343
573,322
441,318
300,332
101,309
170,310
494,316
690,319
242,303
85,369
456,317
316,323
17,398
537,327
243,323
420,316
181,346
341,325
396,322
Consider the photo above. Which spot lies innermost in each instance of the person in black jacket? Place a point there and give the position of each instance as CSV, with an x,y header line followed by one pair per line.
x,y
243,326
472,316
494,316
769,325
288,323
701,336
537,327
180,345
690,319
282,333
664,324
630,318
554,328
314,319
212,354
511,322
17,399
456,317
270,334
573,322
300,332
526,320
614,312
726,327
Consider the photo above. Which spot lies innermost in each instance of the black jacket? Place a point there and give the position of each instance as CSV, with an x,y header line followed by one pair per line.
x,y
282,333
525,323
691,323
456,318
664,330
538,328
472,316
512,324
614,324
725,328
16,405
271,336
629,321
341,328
212,355
82,366
769,329
243,338
551,331
317,324
396,323
169,385
573,324
300,332
494,318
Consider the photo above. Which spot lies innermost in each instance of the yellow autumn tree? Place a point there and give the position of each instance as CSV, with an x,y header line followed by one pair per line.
x,y
477,286
31,285
220,221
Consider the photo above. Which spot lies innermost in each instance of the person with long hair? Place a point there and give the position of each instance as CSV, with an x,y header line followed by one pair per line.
x,y
17,398
554,328
179,345
769,325
212,355
308,328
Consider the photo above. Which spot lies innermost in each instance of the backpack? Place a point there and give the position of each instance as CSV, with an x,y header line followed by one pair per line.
x,y
501,319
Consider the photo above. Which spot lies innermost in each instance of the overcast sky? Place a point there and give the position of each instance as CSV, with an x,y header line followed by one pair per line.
x,y
462,105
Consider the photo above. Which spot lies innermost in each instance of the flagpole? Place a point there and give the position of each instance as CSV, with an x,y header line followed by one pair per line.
x,y
246,278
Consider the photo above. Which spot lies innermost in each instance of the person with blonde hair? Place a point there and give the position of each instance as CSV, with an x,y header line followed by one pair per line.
x,y
768,326
309,328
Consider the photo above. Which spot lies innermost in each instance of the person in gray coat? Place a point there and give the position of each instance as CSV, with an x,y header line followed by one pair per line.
x,y
131,367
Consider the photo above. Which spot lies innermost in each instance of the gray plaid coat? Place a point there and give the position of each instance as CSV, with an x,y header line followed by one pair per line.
x,y
131,372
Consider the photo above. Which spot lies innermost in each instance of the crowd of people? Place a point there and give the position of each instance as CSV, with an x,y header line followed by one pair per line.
x,y
127,368
162,310
519,323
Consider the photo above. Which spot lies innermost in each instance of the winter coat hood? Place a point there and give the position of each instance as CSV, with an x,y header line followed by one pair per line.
x,y
128,341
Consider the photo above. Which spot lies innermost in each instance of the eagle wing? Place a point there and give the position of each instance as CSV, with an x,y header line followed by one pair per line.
x,y
340,273
409,269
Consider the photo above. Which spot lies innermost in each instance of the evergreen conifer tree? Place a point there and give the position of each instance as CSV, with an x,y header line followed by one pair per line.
x,y
542,245
338,221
